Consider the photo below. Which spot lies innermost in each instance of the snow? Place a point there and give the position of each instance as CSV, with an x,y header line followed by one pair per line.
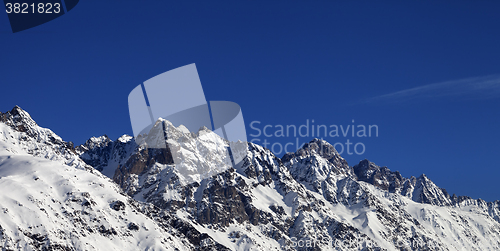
x,y
183,129
41,145
125,138
250,238
48,190
266,196
48,198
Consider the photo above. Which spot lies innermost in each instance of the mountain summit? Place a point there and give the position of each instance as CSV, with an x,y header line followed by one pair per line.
x,y
122,195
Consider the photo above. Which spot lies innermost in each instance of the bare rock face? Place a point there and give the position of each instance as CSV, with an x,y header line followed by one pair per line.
x,y
313,153
420,189
380,177
300,198
21,130
47,205
19,120
129,195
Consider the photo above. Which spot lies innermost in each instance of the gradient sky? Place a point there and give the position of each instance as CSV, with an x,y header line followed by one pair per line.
x,y
427,73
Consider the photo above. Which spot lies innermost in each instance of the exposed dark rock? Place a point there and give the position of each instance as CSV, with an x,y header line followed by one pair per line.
x,y
118,205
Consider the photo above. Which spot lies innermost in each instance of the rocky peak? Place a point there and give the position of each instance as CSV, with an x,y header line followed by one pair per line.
x,y
420,189
107,155
264,203
381,177
35,140
94,142
19,120
425,191
322,148
319,155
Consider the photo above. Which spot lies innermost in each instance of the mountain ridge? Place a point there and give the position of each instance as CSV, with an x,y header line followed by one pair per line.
x,y
311,196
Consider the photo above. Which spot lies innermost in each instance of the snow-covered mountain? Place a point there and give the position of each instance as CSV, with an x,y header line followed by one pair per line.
x,y
51,200
21,132
307,200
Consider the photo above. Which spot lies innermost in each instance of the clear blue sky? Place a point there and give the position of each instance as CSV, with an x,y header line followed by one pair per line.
x,y
425,73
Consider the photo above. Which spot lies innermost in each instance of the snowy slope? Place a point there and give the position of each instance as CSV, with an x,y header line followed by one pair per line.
x,y
308,200
49,203
106,155
313,196
18,129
